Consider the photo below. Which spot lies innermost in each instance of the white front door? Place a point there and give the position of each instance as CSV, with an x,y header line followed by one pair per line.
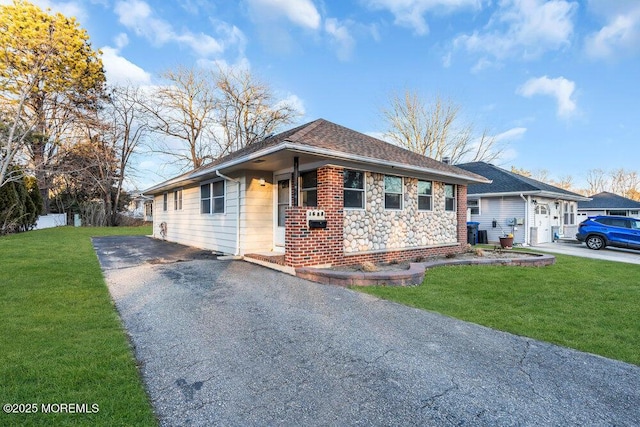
x,y
543,223
282,200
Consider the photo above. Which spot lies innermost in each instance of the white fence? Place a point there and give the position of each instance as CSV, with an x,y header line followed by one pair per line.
x,y
50,221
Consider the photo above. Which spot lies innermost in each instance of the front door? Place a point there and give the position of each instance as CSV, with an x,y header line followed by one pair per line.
x,y
543,223
282,200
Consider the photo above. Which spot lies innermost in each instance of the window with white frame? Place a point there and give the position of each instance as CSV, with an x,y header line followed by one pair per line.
x,y
425,189
353,189
177,200
392,192
569,213
309,188
212,197
165,202
217,196
449,197
474,206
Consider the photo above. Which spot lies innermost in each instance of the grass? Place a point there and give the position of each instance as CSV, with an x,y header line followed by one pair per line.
x,y
589,305
61,339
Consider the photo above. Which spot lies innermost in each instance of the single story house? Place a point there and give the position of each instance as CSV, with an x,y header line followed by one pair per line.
x,y
318,194
606,203
533,211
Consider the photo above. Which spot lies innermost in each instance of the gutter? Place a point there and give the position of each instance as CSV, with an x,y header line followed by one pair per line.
x,y
527,237
237,181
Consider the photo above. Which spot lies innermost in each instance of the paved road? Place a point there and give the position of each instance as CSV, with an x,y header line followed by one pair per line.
x,y
235,344
580,249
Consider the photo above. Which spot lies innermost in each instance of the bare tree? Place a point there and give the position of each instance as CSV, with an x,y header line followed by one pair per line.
x,y
247,110
436,130
127,128
213,113
597,181
183,111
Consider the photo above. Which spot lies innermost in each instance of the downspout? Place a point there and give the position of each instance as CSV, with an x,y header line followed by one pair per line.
x,y
526,220
237,181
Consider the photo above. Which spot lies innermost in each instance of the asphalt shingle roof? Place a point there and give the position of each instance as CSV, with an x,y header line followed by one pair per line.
x,y
606,200
504,181
321,134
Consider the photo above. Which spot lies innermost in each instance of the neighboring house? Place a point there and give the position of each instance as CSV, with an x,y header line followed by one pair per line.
x,y
318,194
606,203
534,212
140,206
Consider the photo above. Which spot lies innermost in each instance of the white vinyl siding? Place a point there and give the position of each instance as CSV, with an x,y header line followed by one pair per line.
x,y
216,232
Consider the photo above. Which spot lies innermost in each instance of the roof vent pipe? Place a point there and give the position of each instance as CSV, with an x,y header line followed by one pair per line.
x,y
446,160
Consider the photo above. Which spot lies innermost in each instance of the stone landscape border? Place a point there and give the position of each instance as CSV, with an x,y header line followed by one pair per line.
x,y
414,275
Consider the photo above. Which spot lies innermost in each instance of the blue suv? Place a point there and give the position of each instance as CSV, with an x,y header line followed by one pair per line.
x,y
619,231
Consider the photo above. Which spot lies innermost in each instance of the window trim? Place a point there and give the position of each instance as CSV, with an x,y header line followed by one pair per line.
x,y
455,204
430,196
362,190
478,206
177,199
165,201
211,198
384,184
308,189
223,197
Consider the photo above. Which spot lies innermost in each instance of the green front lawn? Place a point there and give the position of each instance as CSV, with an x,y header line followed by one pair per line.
x,y
61,339
586,304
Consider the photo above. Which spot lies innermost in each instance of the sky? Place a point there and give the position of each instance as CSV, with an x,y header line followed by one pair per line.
x,y
556,82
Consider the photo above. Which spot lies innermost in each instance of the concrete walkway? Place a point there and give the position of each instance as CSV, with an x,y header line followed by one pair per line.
x,y
235,344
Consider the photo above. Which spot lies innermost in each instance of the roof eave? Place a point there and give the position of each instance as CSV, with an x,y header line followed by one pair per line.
x,y
302,148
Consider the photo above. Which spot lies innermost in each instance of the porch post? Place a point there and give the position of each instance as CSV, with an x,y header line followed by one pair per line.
x,y
296,178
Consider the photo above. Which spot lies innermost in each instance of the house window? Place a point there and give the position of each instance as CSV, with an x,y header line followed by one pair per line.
x,y
165,201
217,193
177,200
392,192
353,189
618,213
569,214
474,206
449,197
212,198
541,210
424,195
309,188
633,213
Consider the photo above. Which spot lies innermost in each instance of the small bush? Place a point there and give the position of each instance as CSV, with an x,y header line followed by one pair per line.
x,y
368,266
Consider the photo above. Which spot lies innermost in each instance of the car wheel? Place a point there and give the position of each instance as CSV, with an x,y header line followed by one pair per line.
x,y
595,242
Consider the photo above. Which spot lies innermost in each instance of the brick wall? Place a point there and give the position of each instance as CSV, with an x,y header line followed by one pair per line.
x,y
304,246
308,247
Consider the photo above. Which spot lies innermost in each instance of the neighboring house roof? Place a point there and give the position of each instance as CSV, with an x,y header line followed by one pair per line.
x,y
606,200
322,139
504,182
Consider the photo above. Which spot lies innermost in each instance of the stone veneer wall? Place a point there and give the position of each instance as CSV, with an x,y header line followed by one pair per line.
x,y
305,247
377,229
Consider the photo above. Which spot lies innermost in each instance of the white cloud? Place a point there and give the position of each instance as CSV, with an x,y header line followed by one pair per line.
x,y
621,34
138,16
523,28
410,13
510,135
559,88
340,37
119,70
302,13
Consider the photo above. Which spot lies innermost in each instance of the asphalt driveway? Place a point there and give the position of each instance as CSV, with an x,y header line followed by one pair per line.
x,y
231,343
